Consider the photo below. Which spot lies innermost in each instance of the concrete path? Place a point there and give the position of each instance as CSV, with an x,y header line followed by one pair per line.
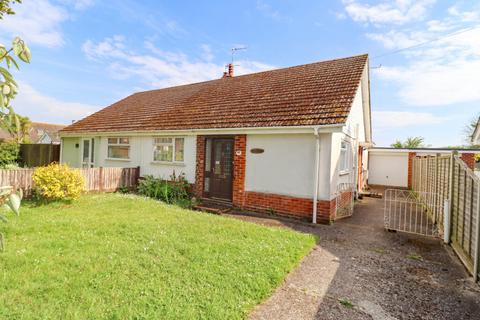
x,y
360,271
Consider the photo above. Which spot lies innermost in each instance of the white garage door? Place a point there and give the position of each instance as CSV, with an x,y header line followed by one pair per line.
x,y
388,169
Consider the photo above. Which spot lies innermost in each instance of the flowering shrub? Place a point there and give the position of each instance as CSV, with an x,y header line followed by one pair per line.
x,y
58,182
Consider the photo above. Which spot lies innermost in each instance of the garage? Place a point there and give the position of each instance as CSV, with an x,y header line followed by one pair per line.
x,y
388,168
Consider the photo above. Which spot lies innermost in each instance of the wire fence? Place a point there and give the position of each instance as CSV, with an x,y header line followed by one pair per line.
x,y
456,186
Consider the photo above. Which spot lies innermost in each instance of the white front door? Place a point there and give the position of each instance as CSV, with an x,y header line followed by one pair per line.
x,y
88,154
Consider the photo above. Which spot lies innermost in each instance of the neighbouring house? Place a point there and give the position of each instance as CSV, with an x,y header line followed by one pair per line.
x,y
393,166
284,141
45,133
39,133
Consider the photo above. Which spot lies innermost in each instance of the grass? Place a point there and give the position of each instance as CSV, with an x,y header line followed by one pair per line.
x,y
112,256
346,303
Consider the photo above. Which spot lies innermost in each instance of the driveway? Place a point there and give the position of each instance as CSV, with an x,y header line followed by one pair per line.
x,y
360,271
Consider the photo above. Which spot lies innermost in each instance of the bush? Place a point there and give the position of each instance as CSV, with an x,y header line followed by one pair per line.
x,y
174,191
8,153
58,182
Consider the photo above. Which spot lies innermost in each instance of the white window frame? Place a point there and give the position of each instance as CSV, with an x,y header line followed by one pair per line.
x,y
173,144
118,144
344,157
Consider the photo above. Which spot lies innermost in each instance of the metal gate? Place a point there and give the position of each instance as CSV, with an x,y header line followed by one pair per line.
x,y
412,212
344,200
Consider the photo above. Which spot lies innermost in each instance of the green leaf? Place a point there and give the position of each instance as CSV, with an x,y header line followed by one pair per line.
x,y
17,46
14,202
3,218
10,60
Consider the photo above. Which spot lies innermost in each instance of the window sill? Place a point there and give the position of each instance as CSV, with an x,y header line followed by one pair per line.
x,y
118,159
344,172
167,163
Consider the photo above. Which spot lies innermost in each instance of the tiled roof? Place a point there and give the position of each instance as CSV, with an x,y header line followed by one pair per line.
x,y
38,129
312,94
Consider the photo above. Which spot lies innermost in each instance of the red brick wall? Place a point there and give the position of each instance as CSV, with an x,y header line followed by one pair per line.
x,y
289,206
411,155
200,167
469,159
239,161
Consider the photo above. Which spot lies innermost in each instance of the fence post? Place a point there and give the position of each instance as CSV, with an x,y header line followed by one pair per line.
x,y
450,192
477,240
101,177
446,221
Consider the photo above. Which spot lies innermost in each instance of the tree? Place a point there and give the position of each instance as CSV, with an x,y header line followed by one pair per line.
x,y
17,127
470,129
410,143
5,7
8,86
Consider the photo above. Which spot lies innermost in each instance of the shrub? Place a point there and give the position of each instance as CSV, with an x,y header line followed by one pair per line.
x,y
58,182
8,153
174,191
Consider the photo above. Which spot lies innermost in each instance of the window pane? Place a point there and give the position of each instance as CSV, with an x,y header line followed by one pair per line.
x,y
163,153
112,140
86,150
163,140
123,140
179,149
118,152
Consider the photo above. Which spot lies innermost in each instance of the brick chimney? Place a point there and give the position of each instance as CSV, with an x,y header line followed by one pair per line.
x,y
230,69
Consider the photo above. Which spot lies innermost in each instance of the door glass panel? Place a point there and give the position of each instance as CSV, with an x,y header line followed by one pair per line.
x,y
86,150
217,167
227,159
208,155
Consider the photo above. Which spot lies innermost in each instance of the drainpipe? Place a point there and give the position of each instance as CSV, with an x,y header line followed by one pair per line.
x,y
316,170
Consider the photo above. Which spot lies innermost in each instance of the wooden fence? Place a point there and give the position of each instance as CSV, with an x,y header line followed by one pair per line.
x,y
38,155
96,179
450,181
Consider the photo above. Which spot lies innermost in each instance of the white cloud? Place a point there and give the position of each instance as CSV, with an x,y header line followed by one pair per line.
x,y
445,70
268,11
392,119
37,22
160,68
388,12
41,107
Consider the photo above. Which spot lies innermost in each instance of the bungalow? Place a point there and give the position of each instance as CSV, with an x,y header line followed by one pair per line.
x,y
286,140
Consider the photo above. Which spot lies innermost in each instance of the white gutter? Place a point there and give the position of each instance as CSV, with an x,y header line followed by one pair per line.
x,y
317,171
243,130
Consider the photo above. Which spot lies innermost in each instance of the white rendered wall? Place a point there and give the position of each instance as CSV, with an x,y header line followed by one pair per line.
x,y
388,169
141,154
286,166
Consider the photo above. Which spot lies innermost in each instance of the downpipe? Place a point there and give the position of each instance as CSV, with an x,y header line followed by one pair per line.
x,y
316,178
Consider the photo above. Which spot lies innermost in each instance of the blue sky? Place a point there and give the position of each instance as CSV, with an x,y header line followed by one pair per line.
x,y
88,54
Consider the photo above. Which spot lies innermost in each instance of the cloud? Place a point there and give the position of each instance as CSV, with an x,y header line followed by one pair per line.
x,y
391,119
268,11
388,12
37,22
444,69
41,107
159,68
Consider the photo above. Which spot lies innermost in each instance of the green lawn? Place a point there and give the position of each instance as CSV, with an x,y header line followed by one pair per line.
x,y
112,256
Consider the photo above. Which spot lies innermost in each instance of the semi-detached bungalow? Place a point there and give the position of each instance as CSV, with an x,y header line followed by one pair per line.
x,y
283,140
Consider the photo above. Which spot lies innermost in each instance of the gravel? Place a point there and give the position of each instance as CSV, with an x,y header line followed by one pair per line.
x,y
360,271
